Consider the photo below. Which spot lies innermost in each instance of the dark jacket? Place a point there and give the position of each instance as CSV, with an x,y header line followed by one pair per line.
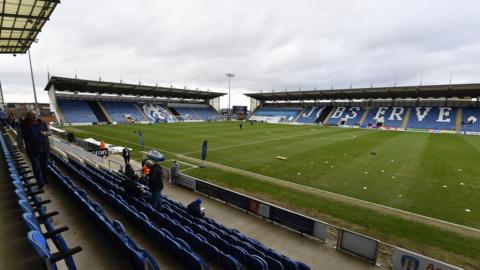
x,y
125,152
155,178
131,188
195,210
29,135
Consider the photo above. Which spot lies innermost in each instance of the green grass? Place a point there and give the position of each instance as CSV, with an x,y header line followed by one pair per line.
x,y
408,172
421,164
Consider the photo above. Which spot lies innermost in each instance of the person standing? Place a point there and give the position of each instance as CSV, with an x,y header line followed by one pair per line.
x,y
126,155
241,125
195,208
155,183
174,172
35,132
3,117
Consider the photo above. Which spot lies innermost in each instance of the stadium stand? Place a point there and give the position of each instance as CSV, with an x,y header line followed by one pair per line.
x,y
35,212
205,113
225,247
385,116
437,118
120,112
276,114
76,101
113,230
311,114
346,116
470,122
76,111
157,113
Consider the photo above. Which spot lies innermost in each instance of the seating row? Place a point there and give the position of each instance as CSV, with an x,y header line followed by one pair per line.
x,y
113,230
166,240
174,217
34,212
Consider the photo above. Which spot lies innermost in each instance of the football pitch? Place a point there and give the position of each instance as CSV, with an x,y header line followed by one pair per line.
x,y
434,175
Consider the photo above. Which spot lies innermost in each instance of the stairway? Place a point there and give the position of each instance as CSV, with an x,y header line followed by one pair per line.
x,y
101,117
295,119
325,120
139,109
104,112
458,124
364,116
407,118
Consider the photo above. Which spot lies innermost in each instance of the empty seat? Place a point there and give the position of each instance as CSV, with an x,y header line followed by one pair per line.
x,y
228,262
256,263
41,247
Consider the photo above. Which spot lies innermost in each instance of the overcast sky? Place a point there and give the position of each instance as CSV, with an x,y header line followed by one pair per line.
x,y
266,44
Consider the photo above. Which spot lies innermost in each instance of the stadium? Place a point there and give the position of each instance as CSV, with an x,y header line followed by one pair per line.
x,y
354,178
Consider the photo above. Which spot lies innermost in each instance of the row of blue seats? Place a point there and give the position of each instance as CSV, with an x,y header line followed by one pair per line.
x,y
175,217
188,113
118,110
76,111
311,114
35,212
176,246
114,231
471,117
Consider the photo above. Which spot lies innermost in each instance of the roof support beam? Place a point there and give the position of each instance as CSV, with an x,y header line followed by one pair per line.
x,y
9,15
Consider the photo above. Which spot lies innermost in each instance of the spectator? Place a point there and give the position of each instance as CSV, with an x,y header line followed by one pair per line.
x,y
3,117
103,149
174,172
34,132
130,173
132,188
126,155
195,208
155,183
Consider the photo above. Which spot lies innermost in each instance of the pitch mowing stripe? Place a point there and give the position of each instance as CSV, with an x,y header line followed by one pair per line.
x,y
279,137
310,188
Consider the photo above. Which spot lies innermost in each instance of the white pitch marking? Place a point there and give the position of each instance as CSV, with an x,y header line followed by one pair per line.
x,y
327,192
468,210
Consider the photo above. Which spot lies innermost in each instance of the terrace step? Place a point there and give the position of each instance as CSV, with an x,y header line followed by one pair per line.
x,y
407,117
458,124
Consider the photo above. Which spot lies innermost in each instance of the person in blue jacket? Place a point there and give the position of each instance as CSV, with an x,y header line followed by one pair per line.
x,y
34,133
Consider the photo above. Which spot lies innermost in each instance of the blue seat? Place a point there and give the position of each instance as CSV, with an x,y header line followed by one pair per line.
x,y
256,263
173,246
228,262
239,253
41,247
193,261
183,244
274,264
196,241
211,252
223,245
53,234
